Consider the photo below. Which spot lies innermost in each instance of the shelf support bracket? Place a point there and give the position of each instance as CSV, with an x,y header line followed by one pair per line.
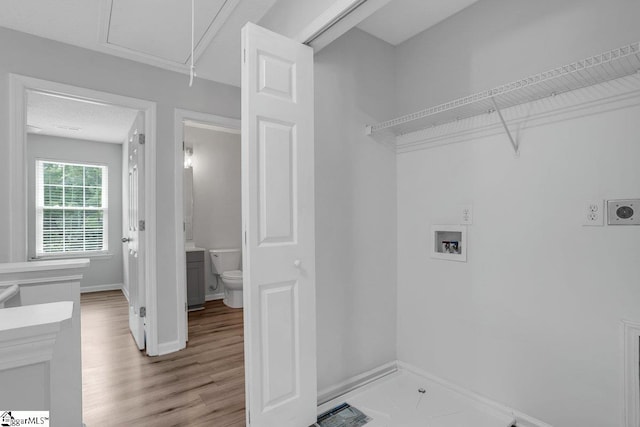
x,y
504,124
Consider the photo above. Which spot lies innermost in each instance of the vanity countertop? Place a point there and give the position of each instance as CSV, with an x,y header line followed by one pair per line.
x,y
194,249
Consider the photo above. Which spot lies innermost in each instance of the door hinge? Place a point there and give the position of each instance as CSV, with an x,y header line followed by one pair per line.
x,y
143,311
141,139
245,238
141,225
183,146
184,227
244,56
186,308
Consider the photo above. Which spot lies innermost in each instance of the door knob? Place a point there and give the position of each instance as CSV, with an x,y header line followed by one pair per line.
x,y
125,239
296,263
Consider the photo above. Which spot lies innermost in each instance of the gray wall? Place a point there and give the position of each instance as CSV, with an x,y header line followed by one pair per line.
x,y
102,270
37,57
533,319
217,193
534,316
355,209
494,42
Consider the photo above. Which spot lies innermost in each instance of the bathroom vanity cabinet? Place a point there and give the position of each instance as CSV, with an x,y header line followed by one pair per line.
x,y
195,279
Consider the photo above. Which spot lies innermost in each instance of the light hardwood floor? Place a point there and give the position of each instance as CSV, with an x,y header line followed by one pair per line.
x,y
202,385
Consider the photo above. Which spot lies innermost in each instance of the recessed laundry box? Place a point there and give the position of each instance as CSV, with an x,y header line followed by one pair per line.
x,y
449,242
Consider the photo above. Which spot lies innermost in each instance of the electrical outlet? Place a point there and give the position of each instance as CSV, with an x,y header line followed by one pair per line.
x,y
466,212
594,213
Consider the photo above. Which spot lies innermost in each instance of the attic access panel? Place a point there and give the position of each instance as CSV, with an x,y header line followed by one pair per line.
x,y
163,29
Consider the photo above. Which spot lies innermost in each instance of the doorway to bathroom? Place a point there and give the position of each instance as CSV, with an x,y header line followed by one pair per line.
x,y
212,214
208,211
208,263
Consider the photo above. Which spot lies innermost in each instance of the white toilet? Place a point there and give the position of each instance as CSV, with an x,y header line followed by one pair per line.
x,y
226,263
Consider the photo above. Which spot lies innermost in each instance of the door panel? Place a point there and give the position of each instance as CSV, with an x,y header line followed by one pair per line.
x,y
279,305
277,77
135,246
277,194
278,218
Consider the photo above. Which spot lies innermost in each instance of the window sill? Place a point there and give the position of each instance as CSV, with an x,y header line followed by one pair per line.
x,y
90,255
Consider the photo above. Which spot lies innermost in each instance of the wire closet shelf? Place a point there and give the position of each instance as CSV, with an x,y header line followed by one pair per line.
x,y
614,64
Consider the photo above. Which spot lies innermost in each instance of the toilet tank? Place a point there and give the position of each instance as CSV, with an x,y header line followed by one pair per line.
x,y
225,260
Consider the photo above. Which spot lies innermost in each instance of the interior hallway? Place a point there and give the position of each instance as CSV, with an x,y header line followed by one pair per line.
x,y
202,385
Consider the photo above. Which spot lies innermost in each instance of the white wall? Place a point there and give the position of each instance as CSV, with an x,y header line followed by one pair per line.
x,y
102,270
494,42
36,57
532,320
355,209
217,193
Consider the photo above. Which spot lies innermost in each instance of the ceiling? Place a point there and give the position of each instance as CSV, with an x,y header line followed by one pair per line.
x,y
59,115
400,20
149,31
127,26
159,33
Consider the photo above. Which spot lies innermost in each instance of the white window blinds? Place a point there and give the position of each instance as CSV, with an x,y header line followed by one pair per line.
x,y
71,208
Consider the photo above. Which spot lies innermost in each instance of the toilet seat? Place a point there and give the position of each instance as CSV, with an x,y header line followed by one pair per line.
x,y
232,274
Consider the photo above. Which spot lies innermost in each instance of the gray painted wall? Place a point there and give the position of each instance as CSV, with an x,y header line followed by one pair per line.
x,y
217,193
37,57
102,270
494,42
355,209
534,316
533,319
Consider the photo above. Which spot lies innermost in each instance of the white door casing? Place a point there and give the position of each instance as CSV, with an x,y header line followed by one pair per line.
x,y
135,243
182,116
19,86
278,219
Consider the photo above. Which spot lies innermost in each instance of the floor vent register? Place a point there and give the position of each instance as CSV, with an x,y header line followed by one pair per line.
x,y
343,415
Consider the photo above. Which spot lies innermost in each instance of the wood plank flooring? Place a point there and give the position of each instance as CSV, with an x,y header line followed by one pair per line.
x,y
202,385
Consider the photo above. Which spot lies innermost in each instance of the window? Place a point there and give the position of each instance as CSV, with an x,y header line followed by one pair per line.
x,y
71,208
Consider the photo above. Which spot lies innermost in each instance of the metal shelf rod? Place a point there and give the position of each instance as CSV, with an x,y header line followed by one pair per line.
x,y
597,69
504,124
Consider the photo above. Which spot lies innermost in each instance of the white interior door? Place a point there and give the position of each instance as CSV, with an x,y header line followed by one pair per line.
x,y
133,238
278,216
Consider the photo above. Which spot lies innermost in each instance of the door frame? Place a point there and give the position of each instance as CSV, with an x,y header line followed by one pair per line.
x,y
180,116
19,86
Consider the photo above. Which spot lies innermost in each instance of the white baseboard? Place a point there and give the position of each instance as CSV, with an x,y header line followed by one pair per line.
x,y
125,291
100,288
356,382
169,347
213,297
523,420
630,356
